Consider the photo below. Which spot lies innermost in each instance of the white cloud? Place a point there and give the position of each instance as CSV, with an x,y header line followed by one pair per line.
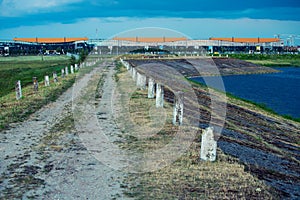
x,y
12,8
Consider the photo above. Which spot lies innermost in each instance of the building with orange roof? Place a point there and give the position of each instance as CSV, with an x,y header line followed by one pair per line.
x,y
33,46
51,40
151,39
247,40
178,45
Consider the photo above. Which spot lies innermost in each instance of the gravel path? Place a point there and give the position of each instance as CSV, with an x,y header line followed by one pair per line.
x,y
44,157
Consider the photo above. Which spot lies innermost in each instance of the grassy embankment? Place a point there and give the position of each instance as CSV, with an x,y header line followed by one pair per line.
x,y
269,60
187,177
24,68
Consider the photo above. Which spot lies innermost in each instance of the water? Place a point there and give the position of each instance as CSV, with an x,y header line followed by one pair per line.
x,y
278,91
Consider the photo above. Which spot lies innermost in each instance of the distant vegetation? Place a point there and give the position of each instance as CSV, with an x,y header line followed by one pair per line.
x,y
25,67
150,51
270,59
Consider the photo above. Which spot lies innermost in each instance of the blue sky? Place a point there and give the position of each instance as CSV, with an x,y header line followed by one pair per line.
x,y
199,19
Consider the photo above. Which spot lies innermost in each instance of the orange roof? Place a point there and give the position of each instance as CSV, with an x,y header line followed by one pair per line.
x,y
247,40
150,40
50,40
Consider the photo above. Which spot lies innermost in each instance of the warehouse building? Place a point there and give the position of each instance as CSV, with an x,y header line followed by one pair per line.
x,y
49,46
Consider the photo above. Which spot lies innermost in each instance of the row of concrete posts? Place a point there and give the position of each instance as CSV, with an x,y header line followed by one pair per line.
x,y
64,73
141,82
208,143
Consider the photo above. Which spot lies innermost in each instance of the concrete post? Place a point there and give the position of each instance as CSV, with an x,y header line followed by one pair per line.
x,y
208,145
151,88
76,67
18,90
62,73
72,69
141,81
131,71
178,109
66,71
35,84
159,96
55,77
134,73
138,77
47,82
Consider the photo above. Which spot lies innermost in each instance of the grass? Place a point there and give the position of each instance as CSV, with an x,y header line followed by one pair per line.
x,y
187,177
119,69
13,110
270,60
25,67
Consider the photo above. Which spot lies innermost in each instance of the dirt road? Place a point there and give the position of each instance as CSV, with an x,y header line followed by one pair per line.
x,y
44,157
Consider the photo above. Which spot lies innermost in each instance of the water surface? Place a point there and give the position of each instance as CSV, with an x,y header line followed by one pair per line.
x,y
278,91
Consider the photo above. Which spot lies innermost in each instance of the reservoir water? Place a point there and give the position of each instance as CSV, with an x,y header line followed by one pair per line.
x,y
278,91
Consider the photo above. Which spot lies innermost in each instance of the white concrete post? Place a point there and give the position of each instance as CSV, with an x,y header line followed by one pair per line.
x,y
62,73
66,71
134,73
76,67
208,145
72,69
151,88
178,109
55,77
18,90
131,71
138,77
159,96
141,81
47,82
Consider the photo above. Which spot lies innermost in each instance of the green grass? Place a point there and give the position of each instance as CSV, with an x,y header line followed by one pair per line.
x,y
119,69
269,60
12,110
24,68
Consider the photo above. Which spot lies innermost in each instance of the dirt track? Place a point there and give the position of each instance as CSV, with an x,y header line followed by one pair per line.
x,y
44,158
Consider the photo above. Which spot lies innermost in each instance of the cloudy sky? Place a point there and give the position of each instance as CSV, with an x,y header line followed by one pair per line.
x,y
198,19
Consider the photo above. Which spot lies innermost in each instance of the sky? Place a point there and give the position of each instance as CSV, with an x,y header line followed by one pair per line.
x,y
197,19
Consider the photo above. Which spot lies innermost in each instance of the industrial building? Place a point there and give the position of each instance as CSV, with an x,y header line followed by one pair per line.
x,y
182,45
34,46
123,45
